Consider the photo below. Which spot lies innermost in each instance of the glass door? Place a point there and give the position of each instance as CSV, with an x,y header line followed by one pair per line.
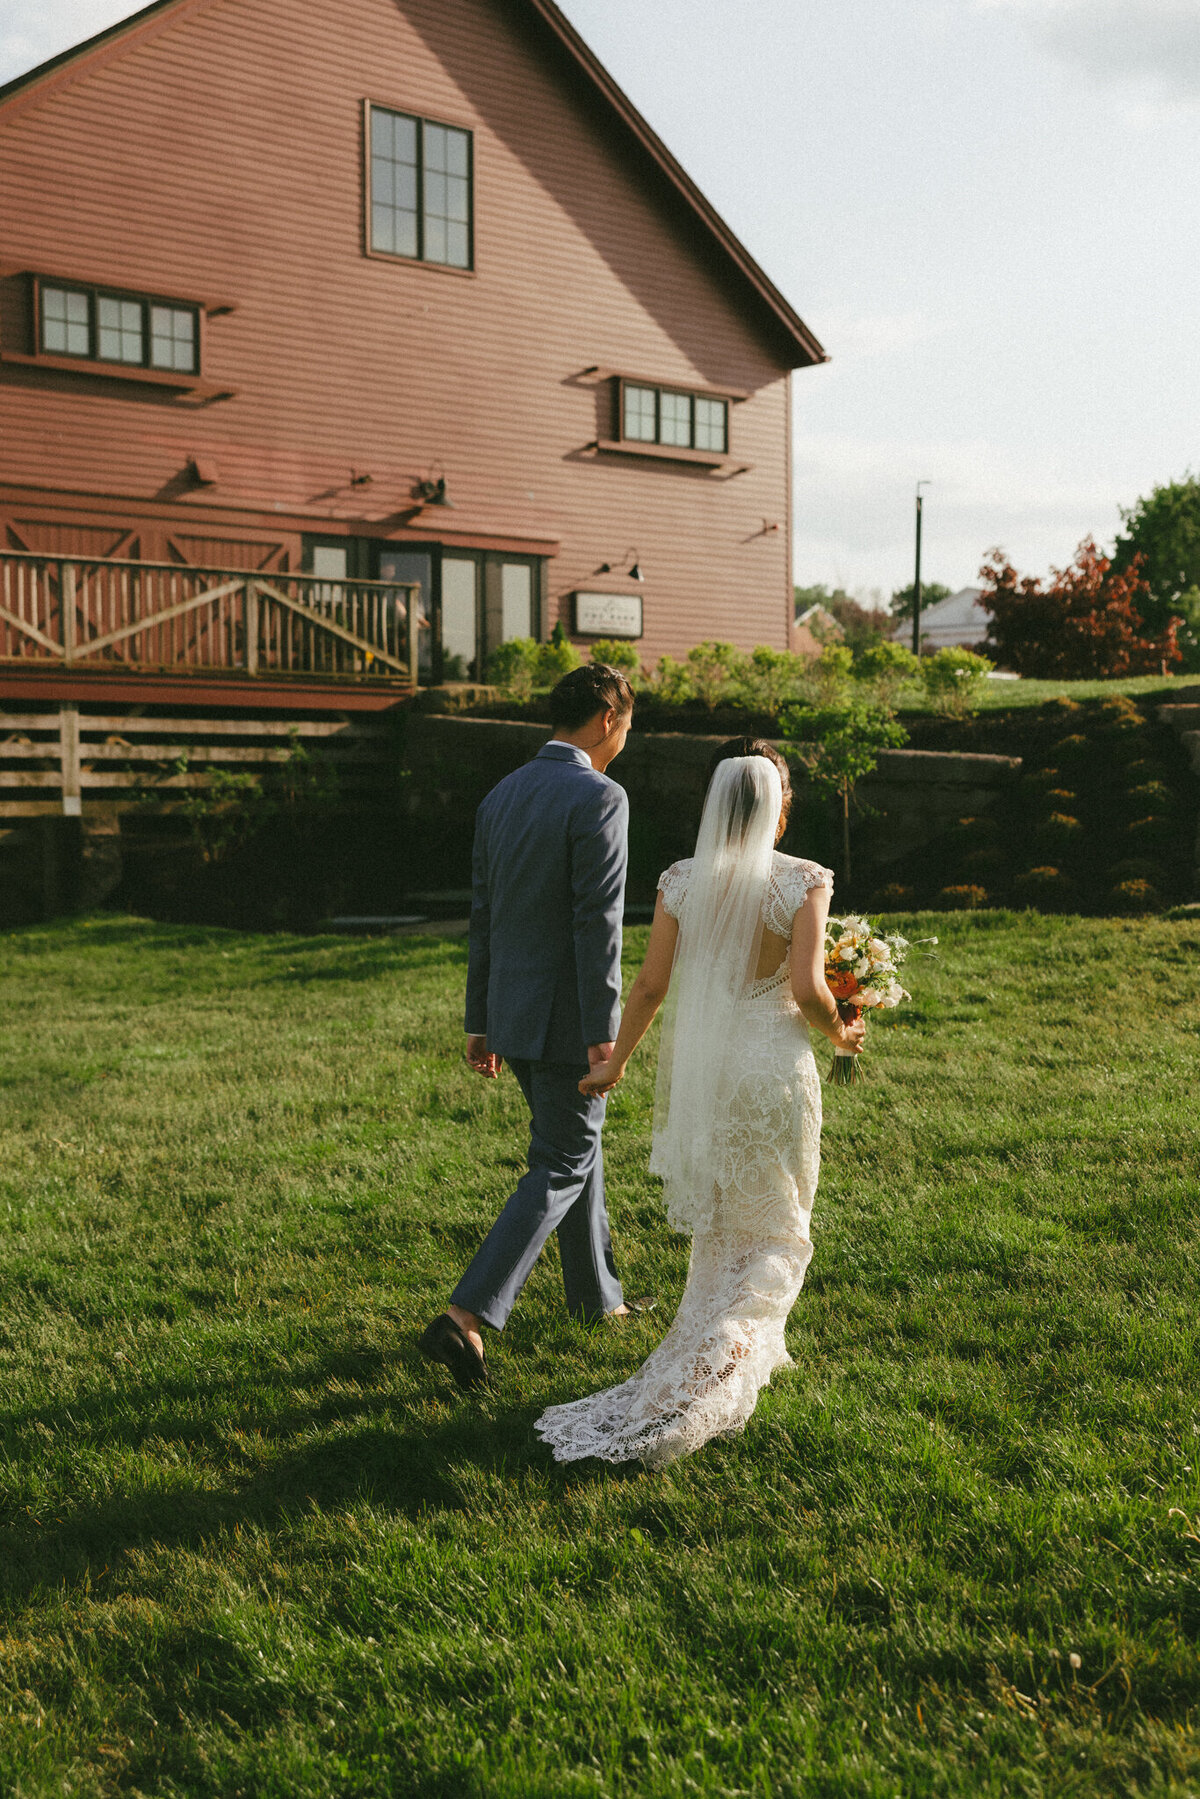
x,y
460,617
398,562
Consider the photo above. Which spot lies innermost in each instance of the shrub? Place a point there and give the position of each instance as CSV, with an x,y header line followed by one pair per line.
x,y
885,667
554,660
1059,797
619,653
982,861
827,676
1146,769
672,682
712,668
1136,896
1063,703
513,666
1039,778
1044,886
1134,868
773,676
1059,830
1151,829
976,829
893,896
953,680
963,899
1073,748
1155,796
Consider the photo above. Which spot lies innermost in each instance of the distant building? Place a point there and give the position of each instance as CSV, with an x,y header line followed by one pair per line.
x,y
812,629
957,622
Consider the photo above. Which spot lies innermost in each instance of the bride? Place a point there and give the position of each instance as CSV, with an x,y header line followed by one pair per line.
x,y
738,940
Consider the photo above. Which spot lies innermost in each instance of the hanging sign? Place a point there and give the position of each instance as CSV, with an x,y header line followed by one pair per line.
x,y
608,615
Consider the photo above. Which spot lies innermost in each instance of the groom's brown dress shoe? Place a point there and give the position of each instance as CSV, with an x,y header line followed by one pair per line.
x,y
444,1342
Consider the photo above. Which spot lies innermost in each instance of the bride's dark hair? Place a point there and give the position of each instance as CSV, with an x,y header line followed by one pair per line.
x,y
755,746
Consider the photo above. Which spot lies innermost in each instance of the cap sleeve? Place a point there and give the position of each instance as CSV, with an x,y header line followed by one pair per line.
x,y
791,884
672,884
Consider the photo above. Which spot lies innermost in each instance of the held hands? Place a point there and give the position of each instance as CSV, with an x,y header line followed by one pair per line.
x,y
603,1073
483,1060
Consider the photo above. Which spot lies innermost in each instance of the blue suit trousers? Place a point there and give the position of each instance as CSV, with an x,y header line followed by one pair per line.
x,y
563,1191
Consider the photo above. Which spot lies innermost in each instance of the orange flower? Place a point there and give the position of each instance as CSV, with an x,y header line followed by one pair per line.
x,y
842,985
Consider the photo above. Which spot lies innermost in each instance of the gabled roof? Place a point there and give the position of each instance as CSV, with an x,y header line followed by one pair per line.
x,y
796,343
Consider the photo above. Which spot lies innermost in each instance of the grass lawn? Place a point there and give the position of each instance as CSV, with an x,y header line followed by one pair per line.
x,y
254,1546
997,696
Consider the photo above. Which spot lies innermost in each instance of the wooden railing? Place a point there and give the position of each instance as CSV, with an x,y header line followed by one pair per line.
x,y
80,612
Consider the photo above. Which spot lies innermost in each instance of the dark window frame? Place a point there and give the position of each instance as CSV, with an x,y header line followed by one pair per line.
x,y
93,292
421,122
691,394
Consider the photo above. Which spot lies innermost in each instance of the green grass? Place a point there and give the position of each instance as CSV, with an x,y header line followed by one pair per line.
x,y
253,1546
1003,696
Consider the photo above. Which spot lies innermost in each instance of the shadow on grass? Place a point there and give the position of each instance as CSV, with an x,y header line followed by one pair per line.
x,y
409,1465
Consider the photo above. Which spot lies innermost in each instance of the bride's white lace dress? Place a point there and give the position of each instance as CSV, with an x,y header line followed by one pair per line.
x,y
750,1241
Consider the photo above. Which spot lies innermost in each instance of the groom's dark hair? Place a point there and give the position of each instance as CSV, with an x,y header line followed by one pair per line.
x,y
585,691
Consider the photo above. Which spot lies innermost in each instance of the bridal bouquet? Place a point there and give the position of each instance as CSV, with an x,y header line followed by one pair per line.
x,y
861,968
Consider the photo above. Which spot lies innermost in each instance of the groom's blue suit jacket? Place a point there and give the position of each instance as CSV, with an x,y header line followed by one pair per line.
x,y
544,976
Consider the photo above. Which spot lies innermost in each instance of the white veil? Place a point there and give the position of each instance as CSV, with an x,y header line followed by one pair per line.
x,y
720,933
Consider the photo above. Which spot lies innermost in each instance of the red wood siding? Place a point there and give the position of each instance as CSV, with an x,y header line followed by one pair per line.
x,y
220,155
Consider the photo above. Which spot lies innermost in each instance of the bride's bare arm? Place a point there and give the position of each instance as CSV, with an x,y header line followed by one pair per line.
x,y
645,997
807,966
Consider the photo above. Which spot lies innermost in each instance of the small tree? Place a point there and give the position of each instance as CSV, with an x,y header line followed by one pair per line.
x,y
840,745
1083,623
1163,530
884,667
953,679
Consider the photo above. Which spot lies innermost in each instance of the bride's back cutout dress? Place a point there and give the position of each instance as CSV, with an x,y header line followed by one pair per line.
x,y
750,1242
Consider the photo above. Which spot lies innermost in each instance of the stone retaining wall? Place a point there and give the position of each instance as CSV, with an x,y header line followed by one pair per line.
x,y
912,797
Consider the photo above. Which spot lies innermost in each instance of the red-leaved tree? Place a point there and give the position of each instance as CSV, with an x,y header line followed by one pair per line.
x,y
1083,623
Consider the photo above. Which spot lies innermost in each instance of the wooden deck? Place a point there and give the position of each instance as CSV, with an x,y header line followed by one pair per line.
x,y
128,683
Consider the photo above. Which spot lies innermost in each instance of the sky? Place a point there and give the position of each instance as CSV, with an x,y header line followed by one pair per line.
x,y
986,210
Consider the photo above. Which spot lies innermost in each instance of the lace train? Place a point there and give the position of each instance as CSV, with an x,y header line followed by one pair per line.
x,y
703,1380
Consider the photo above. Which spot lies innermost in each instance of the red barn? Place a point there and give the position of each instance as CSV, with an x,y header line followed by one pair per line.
x,y
299,302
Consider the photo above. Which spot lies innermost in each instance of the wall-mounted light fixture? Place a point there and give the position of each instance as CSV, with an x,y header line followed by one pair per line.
x,y
634,570
430,489
357,480
202,470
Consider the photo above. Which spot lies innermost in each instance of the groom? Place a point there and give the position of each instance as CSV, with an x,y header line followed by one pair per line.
x,y
544,991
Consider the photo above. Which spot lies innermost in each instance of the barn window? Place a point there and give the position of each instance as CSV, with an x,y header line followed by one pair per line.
x,y
670,416
66,322
125,328
420,179
173,338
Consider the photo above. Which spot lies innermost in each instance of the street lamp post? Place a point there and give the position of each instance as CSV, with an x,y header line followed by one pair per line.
x,y
917,576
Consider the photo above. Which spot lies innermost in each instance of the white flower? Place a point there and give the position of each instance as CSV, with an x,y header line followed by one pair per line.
x,y
861,967
879,949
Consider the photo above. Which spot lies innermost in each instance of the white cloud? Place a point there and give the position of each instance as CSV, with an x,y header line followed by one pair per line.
x,y
1151,47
